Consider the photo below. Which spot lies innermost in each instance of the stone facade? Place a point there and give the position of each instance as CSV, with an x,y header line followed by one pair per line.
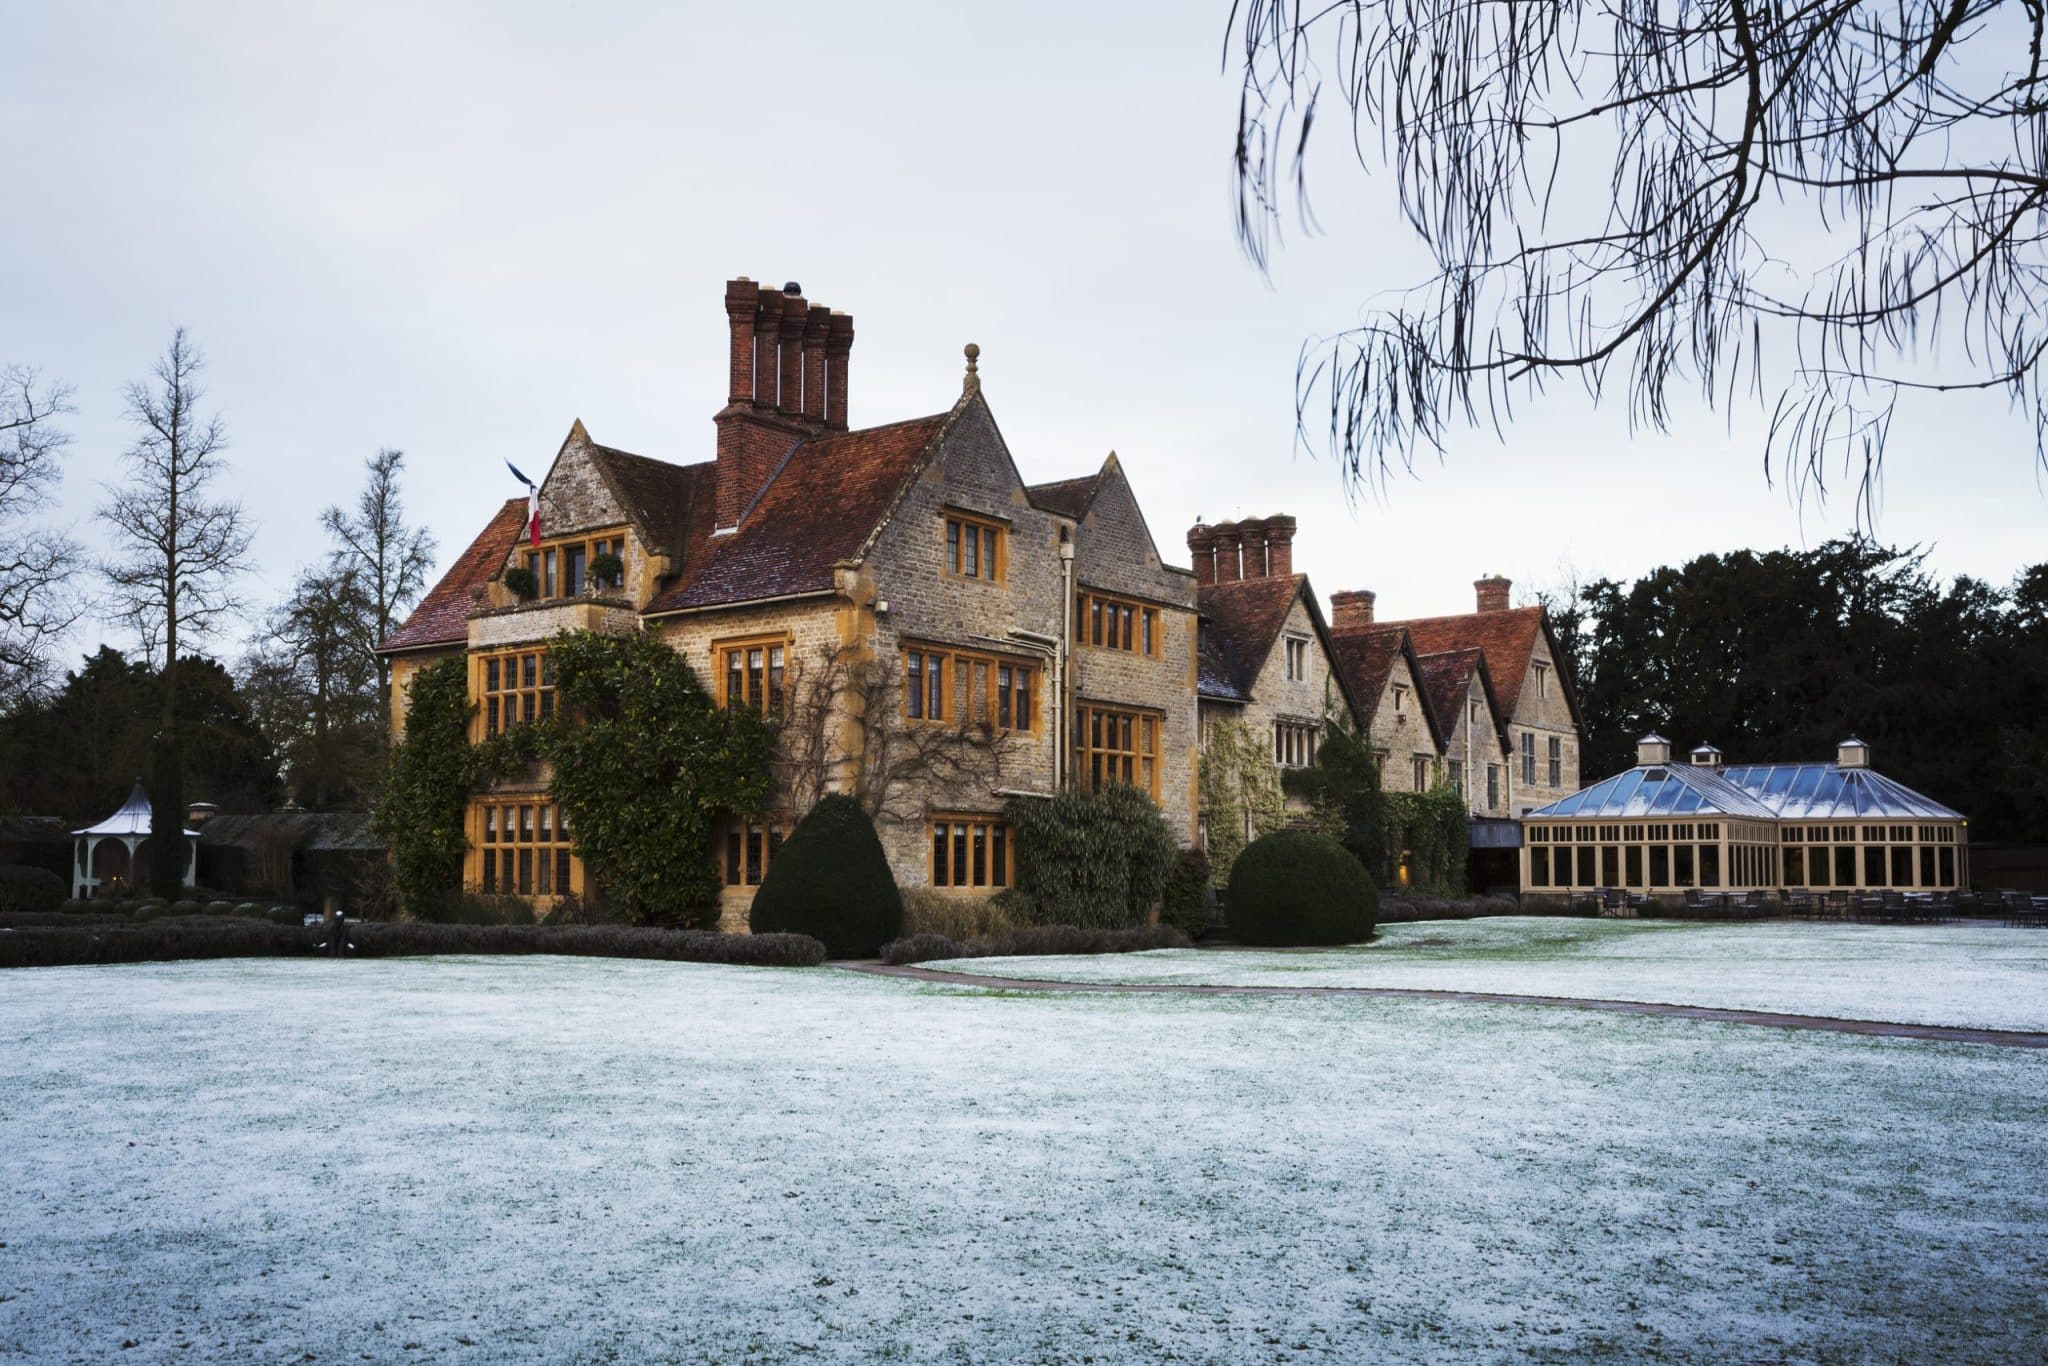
x,y
1542,718
1399,726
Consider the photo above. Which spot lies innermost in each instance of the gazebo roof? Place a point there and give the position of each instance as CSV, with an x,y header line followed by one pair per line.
x,y
131,819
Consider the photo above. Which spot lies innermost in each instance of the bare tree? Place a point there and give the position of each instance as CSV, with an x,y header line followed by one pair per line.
x,y
315,690
844,732
1638,193
37,600
177,555
388,559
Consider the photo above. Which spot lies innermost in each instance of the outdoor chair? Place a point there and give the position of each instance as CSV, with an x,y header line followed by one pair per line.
x,y
1695,900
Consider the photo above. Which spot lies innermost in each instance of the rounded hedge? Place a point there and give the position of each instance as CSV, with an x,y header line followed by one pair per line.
x,y
830,880
30,889
1298,887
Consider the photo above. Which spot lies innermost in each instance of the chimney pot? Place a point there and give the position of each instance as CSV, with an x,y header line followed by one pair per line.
x,y
1492,593
838,345
1202,551
789,369
1229,552
1280,546
817,322
767,345
1352,610
742,297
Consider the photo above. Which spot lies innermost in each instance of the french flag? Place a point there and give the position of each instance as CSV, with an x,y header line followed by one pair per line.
x,y
532,504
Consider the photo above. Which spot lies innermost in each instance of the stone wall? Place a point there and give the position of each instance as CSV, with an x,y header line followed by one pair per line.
x,y
1544,713
1399,731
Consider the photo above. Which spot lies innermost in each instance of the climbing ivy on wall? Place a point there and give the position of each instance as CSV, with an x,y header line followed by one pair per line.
x,y
643,762
1240,792
1094,859
646,764
1436,833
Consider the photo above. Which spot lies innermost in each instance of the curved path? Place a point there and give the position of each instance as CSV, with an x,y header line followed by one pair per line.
x,y
2009,1038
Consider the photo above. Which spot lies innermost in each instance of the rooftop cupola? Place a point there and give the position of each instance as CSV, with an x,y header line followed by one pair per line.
x,y
1852,753
1706,756
1653,749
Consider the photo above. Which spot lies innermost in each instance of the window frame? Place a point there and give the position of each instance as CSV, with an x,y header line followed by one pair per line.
x,y
990,535
550,562
488,720
1144,765
1297,658
1133,625
736,846
995,852
532,823
774,681
917,686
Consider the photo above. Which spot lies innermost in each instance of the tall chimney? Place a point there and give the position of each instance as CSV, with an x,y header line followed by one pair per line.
x,y
742,298
1229,548
838,343
817,321
1351,611
1493,593
1202,549
789,333
767,346
1280,546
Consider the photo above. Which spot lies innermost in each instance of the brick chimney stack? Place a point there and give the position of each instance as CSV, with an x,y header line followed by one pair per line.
x,y
1493,593
1280,546
1351,611
838,343
1202,550
1229,552
786,381
817,322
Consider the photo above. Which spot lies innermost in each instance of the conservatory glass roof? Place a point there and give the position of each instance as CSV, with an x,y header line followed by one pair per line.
x,y
1818,791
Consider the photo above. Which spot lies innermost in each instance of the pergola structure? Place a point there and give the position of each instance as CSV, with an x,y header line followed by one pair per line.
x,y
94,860
1664,827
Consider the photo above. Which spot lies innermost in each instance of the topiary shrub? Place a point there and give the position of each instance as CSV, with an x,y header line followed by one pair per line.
x,y
830,880
30,889
1184,904
1298,887
1093,859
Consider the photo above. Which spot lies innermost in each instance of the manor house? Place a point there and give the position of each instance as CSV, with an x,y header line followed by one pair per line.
x,y
938,635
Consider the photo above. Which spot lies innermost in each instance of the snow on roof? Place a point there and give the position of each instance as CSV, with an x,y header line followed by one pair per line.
x,y
131,819
1771,792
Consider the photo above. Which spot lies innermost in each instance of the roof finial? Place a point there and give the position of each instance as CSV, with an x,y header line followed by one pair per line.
x,y
972,383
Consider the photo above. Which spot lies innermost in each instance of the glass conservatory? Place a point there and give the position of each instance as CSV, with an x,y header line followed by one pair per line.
x,y
1665,827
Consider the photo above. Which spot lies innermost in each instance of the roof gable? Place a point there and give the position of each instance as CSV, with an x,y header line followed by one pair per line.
x,y
1508,639
1245,617
1365,661
1448,677
822,508
442,616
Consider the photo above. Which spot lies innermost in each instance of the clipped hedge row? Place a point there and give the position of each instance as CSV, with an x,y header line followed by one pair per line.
x,y
30,889
159,941
411,938
1034,941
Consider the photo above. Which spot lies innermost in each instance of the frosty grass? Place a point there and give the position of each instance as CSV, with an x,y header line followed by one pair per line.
x,y
1976,975
556,1159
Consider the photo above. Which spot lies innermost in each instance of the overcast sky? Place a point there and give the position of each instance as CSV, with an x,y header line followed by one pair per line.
x,y
454,228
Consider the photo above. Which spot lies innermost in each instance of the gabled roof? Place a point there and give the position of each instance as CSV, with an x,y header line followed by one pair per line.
x,y
442,617
1241,621
1365,661
1244,619
1659,790
1068,497
1508,638
822,508
657,496
1448,677
1823,791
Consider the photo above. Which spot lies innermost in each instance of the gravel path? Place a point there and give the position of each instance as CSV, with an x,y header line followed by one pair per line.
x,y
2009,1038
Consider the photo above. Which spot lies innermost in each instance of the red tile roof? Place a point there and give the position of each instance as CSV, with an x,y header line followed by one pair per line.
x,y
1365,661
442,617
1244,619
819,509
1448,676
1068,497
1507,638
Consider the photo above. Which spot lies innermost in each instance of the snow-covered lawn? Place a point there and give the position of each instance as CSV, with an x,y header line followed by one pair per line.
x,y
1976,975
582,1159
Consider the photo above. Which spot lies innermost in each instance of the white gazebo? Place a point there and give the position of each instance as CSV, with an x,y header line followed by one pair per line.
x,y
129,827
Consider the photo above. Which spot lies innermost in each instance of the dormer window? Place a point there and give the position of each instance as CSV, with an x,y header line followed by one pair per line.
x,y
562,569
